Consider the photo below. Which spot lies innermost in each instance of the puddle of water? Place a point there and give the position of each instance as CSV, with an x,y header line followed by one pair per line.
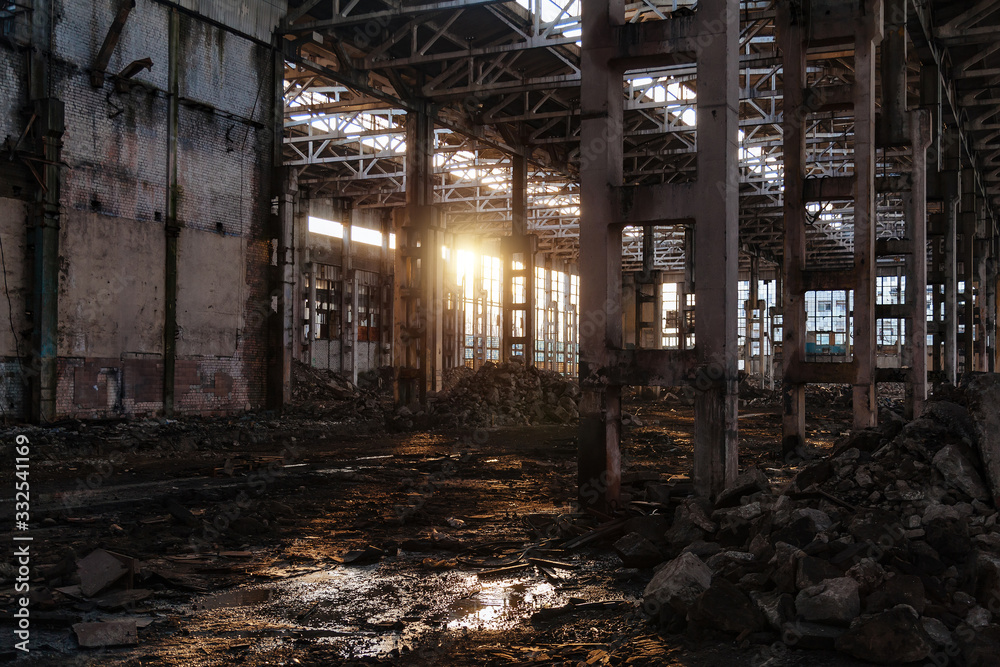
x,y
499,603
370,610
348,469
240,598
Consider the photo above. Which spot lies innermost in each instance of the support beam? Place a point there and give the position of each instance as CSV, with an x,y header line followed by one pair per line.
x,y
951,188
915,210
716,254
171,226
867,36
518,254
418,308
714,237
601,102
790,23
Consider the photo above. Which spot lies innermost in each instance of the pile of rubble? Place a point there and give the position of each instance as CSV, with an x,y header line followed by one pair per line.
x,y
325,394
507,394
753,393
887,550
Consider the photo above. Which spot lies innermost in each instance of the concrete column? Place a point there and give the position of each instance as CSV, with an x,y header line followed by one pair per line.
x,y
686,287
417,348
480,327
937,257
171,230
630,306
518,249
991,314
717,251
791,38
347,328
313,319
915,213
951,189
712,202
601,101
748,308
967,228
42,370
865,407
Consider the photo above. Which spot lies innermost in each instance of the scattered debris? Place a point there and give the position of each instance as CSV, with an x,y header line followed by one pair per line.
x,y
100,569
121,632
506,394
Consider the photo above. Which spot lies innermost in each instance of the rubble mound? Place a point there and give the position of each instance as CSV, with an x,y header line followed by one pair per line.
x,y
325,394
506,394
887,550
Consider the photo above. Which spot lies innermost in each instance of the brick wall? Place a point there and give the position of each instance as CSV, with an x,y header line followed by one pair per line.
x,y
112,245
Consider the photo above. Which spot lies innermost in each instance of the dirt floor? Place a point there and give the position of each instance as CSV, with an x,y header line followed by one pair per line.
x,y
304,541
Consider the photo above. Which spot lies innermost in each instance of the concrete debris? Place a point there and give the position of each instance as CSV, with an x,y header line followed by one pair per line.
x,y
983,390
99,570
678,584
327,394
637,551
108,633
891,637
885,549
506,394
959,471
834,601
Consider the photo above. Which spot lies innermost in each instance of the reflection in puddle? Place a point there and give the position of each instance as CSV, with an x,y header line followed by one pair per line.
x,y
497,603
370,610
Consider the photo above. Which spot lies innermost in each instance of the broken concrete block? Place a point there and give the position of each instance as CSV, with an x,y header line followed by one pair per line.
x,y
107,633
869,575
785,566
835,601
936,630
905,589
978,618
988,584
891,637
776,607
983,392
182,514
366,556
981,649
637,551
652,527
959,470
813,571
99,570
802,634
818,519
751,481
677,584
725,607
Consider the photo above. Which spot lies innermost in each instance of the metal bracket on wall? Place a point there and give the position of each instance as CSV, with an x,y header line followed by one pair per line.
x,y
110,42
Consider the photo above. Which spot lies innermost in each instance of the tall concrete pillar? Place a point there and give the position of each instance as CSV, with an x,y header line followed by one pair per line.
x,y
860,27
791,39
865,323
967,229
609,49
518,280
915,214
418,275
716,255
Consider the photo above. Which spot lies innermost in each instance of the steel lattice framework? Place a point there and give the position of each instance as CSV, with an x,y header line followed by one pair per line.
x,y
503,78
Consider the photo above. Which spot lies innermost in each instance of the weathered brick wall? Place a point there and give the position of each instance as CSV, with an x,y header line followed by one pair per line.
x,y
112,247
